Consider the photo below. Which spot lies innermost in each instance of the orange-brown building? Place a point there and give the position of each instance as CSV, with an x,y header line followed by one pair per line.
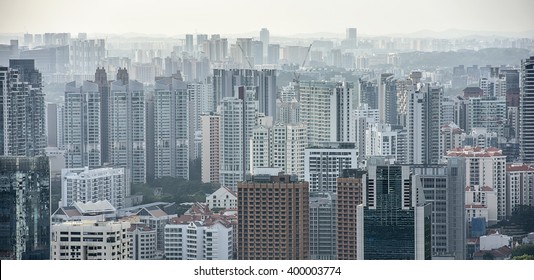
x,y
273,218
349,195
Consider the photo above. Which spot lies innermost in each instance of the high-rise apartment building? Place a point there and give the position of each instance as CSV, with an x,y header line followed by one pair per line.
x,y
387,99
450,138
273,217
327,109
265,39
22,110
323,226
257,53
273,54
444,187
86,55
92,185
485,168
380,140
519,185
369,93
90,240
324,164
267,92
53,123
423,123
363,117
216,48
526,109
171,128
101,79
349,196
127,130
289,143
201,38
200,102
287,111
189,45
226,81
210,153
281,145
486,112
24,208
393,222
351,38
243,52
81,125
238,117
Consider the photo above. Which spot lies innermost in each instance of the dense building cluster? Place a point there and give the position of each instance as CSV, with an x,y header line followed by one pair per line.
x,y
339,150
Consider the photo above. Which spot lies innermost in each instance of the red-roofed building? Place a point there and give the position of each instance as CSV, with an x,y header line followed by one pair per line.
x,y
485,167
199,237
503,253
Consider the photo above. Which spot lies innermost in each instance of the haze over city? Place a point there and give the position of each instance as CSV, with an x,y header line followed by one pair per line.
x,y
266,130
283,18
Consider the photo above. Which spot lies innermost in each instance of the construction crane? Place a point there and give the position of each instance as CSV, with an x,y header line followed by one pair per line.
x,y
296,80
245,56
297,76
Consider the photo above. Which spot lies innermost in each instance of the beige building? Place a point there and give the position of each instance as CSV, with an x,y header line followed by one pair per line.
x,y
210,156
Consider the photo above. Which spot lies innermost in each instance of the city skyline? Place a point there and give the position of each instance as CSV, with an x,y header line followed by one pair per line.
x,y
227,18
171,131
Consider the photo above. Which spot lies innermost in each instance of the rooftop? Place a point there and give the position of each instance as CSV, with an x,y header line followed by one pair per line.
x,y
518,167
474,152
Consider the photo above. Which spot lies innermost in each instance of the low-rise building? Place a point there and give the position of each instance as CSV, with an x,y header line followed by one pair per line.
x,y
495,241
84,184
222,198
96,211
503,253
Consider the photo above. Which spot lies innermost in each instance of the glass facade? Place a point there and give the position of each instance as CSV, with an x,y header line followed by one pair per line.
x,y
389,218
24,208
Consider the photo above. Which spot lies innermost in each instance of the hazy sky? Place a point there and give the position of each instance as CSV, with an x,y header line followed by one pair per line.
x,y
281,17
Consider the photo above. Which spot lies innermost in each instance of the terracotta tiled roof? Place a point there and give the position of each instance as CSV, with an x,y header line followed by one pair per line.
x,y
499,253
517,167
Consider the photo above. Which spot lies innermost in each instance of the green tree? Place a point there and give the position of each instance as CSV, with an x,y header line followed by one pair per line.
x,y
523,257
176,190
523,215
526,249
